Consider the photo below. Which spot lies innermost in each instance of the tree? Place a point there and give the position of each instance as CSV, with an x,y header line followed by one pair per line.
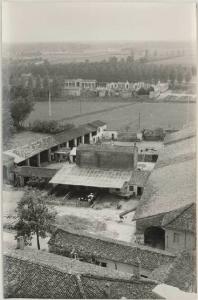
x,y
180,75
51,126
8,125
172,75
20,109
188,76
34,217
56,87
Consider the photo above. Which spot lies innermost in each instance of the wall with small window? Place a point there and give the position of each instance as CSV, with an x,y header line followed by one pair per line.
x,y
179,240
121,267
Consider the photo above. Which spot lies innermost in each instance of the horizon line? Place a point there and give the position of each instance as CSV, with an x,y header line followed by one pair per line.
x,y
100,41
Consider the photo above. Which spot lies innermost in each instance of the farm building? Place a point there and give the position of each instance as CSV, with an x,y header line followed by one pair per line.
x,y
166,213
55,147
101,166
8,163
110,134
108,253
37,274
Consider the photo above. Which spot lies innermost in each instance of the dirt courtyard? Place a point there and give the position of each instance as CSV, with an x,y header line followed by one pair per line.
x,y
103,219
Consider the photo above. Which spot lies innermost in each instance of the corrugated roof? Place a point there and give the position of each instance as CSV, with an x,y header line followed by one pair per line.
x,y
75,175
38,274
88,245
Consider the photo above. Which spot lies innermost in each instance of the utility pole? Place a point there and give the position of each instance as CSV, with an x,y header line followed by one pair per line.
x,y
139,122
50,108
80,106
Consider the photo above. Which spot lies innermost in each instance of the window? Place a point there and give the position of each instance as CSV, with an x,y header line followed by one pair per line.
x,y
131,188
175,237
103,264
144,276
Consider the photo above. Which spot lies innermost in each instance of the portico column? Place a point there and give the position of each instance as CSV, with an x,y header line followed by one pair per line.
x,y
49,155
90,138
59,147
21,180
27,162
75,142
38,159
82,139
67,144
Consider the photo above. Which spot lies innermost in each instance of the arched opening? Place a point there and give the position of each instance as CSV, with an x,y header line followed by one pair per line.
x,y
155,237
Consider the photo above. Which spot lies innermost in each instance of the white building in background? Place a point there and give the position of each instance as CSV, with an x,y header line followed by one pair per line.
x,y
163,87
74,87
118,85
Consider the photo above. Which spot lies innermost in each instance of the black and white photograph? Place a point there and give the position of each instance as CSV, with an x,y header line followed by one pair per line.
x,y
99,149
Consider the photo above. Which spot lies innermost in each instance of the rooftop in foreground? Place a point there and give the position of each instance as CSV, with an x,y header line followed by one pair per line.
x,y
38,274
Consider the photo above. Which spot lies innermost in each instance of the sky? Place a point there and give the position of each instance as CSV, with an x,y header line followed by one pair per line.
x,y
53,21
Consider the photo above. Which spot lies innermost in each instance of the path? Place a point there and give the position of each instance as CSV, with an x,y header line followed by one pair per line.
x,y
92,113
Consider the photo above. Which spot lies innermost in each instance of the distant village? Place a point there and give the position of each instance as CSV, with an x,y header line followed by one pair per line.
x,y
83,168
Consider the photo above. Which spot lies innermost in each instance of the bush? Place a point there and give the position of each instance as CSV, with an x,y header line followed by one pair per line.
x,y
52,126
143,91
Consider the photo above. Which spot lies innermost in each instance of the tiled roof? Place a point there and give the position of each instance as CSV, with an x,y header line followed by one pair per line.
x,y
168,188
182,219
180,135
172,184
75,175
39,274
139,178
175,152
89,245
180,273
48,141
7,159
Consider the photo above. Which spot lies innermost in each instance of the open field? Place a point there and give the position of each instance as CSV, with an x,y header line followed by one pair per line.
x,y
167,115
180,60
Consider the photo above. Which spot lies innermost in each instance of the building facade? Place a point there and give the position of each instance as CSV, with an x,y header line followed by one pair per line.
x,y
74,87
108,253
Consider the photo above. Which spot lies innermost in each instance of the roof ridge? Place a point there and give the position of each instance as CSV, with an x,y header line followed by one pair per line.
x,y
113,241
30,260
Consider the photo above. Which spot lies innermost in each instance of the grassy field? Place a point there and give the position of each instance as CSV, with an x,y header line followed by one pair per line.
x,y
167,115
181,60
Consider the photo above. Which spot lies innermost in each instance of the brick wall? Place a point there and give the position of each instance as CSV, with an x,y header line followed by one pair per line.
x,y
106,159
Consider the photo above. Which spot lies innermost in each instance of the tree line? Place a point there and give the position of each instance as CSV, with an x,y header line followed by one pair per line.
x,y
51,76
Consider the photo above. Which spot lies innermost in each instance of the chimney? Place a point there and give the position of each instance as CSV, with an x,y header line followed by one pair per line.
x,y
20,242
136,268
107,291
